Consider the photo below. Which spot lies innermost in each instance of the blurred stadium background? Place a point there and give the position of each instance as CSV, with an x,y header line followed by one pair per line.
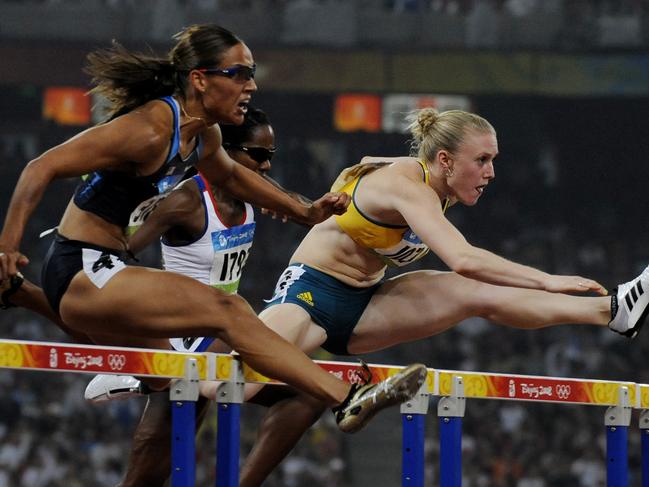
x,y
565,83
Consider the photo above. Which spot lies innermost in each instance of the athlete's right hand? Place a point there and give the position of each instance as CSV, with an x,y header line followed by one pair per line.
x,y
10,259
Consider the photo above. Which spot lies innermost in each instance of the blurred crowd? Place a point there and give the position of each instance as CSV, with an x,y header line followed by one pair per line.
x,y
50,437
477,24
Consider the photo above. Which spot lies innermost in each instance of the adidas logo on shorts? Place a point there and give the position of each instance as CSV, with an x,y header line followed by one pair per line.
x,y
307,297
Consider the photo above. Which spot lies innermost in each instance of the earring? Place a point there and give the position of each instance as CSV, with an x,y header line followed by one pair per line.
x,y
449,172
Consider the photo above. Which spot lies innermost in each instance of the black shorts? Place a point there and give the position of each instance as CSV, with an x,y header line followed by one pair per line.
x,y
67,257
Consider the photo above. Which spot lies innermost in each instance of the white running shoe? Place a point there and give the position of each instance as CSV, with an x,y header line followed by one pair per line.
x,y
630,305
105,388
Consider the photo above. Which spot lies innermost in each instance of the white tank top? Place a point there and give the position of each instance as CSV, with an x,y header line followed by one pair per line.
x,y
216,258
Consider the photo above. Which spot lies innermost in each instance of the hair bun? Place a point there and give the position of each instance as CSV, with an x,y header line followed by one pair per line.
x,y
426,119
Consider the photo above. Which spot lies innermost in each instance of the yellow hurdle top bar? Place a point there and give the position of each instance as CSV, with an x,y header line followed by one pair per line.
x,y
92,359
487,385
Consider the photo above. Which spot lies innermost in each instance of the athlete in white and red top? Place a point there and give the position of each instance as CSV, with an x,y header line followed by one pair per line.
x,y
218,255
207,234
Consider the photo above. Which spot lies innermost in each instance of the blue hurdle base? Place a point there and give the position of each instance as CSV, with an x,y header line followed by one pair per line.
x,y
227,445
450,451
644,440
183,448
412,453
617,467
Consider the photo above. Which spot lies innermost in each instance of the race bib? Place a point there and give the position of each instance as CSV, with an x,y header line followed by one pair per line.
x,y
144,209
410,249
231,251
142,212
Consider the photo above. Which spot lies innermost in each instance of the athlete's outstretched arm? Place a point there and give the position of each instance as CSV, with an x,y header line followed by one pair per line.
x,y
246,185
137,142
421,208
302,199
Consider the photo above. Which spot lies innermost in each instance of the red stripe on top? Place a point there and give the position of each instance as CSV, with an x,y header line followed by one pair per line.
x,y
216,206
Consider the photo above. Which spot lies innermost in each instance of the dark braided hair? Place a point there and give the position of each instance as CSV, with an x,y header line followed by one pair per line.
x,y
129,79
240,134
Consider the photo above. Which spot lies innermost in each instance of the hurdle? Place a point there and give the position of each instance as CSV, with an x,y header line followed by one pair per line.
x,y
452,387
230,397
186,369
455,387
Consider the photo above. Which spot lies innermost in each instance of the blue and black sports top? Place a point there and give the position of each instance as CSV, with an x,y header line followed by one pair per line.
x,y
122,198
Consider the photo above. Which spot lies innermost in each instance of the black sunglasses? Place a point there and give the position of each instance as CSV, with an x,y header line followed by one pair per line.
x,y
240,72
257,154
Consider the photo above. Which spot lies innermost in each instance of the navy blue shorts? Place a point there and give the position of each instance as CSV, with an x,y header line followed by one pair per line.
x,y
333,305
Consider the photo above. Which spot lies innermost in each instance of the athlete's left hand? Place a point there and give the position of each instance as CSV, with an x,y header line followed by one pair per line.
x,y
327,205
573,284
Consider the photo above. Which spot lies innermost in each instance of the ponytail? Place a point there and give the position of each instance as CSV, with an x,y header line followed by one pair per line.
x,y
128,79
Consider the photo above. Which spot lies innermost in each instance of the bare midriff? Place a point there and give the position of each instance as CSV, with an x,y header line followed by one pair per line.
x,y
330,250
78,224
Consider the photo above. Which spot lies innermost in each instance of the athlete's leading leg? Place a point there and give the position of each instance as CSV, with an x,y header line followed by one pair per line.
x,y
423,303
287,420
290,414
138,302
290,322
175,305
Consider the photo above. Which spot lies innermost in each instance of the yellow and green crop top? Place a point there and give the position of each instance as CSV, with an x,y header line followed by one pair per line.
x,y
397,245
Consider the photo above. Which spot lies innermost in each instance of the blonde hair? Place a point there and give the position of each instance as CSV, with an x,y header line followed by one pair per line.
x,y
433,131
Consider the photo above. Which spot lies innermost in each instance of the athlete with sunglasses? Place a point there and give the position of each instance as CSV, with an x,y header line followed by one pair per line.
x,y
207,235
164,119
187,222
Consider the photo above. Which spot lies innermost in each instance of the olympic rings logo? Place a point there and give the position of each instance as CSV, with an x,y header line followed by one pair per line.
x,y
116,362
562,390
